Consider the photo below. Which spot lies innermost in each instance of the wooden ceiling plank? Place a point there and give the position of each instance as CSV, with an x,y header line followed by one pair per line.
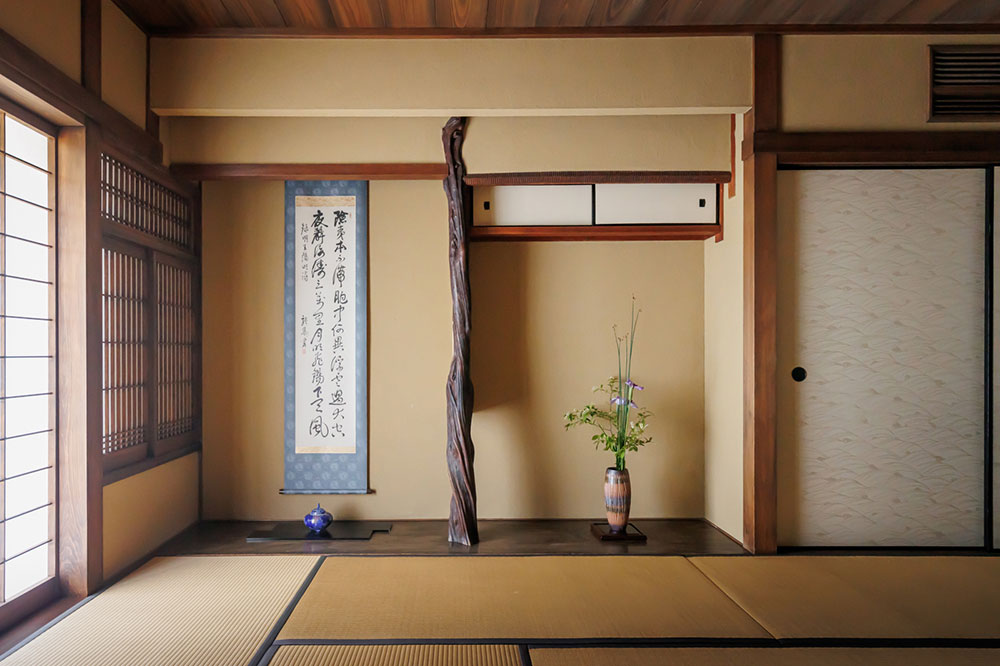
x,y
512,13
510,16
969,11
210,13
358,13
314,14
153,14
556,13
253,13
409,13
462,14
922,11
871,12
623,12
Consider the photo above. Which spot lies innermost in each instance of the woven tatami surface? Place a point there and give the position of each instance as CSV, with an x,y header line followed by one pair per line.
x,y
177,611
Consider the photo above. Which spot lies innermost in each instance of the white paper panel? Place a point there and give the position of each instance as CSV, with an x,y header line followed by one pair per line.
x,y
996,358
325,288
526,205
656,203
880,299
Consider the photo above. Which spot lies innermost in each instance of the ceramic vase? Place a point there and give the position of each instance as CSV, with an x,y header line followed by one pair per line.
x,y
318,519
617,498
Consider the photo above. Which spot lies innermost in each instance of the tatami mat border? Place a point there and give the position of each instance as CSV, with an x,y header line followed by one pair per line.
x,y
525,646
265,646
533,643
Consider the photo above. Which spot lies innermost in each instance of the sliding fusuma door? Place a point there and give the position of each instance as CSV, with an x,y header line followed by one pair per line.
x,y
881,357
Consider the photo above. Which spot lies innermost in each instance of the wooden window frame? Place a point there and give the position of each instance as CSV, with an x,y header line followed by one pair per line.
x,y
49,589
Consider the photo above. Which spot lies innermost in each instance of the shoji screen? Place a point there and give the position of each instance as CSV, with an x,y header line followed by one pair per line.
x,y
881,303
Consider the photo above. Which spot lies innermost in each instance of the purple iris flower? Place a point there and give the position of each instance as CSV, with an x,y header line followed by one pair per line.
x,y
629,382
617,400
633,405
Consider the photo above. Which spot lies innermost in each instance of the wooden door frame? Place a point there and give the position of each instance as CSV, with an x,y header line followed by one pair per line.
x,y
766,148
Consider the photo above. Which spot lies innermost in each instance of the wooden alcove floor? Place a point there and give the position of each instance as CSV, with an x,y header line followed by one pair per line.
x,y
497,537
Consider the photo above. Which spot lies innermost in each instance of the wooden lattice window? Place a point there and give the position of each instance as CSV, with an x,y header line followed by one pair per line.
x,y
177,340
152,317
134,200
124,341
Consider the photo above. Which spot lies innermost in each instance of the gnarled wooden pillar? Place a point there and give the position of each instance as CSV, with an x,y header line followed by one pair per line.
x,y
462,525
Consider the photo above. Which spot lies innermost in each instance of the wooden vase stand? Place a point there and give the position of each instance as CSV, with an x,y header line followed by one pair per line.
x,y
631,534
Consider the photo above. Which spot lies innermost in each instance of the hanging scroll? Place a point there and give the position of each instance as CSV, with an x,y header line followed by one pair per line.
x,y
326,337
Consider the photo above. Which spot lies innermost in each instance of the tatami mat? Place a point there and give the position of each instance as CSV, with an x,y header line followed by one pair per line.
x,y
176,611
864,597
396,655
514,597
763,657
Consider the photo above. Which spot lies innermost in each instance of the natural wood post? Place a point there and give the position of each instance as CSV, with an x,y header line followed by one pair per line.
x,y
462,526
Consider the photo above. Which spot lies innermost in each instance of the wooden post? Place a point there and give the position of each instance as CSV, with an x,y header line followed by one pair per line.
x,y
760,528
462,526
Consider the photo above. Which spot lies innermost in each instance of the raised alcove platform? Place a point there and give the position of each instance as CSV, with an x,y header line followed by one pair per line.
x,y
498,537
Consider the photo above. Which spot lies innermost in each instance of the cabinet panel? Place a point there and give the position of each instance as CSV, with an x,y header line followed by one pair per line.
x,y
526,205
663,203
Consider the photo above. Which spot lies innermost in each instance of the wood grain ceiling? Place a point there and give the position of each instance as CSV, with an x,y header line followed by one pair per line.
x,y
415,18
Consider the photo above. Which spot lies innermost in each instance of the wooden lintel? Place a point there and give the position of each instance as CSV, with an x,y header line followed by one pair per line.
x,y
877,147
595,177
368,171
597,232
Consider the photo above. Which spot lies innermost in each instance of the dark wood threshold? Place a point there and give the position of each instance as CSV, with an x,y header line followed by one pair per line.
x,y
111,476
370,171
597,232
34,622
497,537
595,177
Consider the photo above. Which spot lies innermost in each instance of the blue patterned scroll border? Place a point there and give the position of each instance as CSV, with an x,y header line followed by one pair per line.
x,y
327,473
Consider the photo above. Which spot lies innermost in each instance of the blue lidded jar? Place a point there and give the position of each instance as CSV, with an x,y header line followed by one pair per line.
x,y
318,519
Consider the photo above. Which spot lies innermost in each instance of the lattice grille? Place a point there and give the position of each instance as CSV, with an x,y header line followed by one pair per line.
x,y
176,350
124,351
132,199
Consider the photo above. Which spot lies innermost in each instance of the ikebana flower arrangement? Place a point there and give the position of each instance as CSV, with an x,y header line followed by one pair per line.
x,y
621,427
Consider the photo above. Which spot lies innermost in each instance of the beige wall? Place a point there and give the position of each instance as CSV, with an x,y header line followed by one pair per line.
x,y
862,82
309,140
51,28
542,316
724,366
410,349
143,511
687,142
492,143
440,77
123,63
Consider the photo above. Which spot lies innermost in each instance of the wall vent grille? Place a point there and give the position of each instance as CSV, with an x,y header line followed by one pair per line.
x,y
965,83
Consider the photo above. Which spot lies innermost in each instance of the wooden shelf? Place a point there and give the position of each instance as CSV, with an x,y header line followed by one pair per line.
x,y
595,177
598,232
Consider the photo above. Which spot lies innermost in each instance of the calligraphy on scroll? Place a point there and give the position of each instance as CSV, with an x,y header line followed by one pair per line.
x,y
325,316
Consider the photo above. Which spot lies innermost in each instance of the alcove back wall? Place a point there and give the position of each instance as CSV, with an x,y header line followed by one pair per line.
x,y
542,316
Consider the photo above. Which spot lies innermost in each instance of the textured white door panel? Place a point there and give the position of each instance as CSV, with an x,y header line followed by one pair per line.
x,y
880,299
996,362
